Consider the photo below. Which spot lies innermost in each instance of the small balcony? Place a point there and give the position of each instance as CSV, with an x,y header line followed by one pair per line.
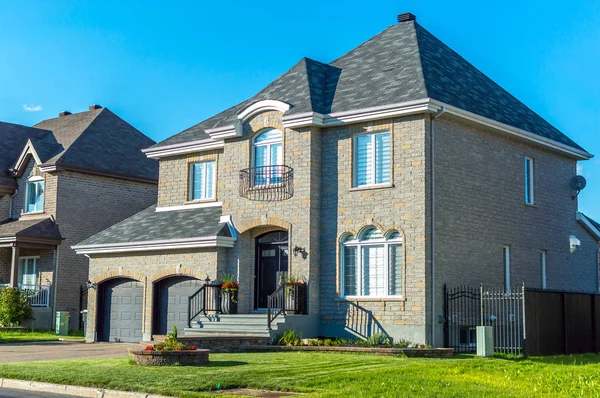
x,y
267,183
37,295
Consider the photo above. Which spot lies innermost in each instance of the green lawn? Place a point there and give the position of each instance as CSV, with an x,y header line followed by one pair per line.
x,y
333,375
23,336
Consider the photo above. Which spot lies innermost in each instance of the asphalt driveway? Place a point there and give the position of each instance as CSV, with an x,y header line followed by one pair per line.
x,y
52,351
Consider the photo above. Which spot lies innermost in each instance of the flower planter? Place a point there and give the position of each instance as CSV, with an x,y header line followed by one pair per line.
x,y
165,358
229,302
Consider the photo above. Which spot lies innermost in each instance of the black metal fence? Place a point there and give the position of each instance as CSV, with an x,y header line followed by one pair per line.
x,y
467,307
207,300
267,183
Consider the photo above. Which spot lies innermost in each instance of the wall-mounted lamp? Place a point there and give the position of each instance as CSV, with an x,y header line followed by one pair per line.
x,y
91,285
299,250
574,243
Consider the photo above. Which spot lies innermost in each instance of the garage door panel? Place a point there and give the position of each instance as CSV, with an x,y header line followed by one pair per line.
x,y
122,310
172,302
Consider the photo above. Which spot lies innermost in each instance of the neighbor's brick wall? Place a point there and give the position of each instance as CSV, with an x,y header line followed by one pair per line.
x,y
480,207
18,202
5,259
4,206
87,205
149,268
401,207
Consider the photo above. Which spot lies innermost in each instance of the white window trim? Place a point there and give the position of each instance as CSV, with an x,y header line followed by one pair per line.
x,y
35,268
268,144
506,255
359,245
33,181
529,168
204,179
373,160
543,255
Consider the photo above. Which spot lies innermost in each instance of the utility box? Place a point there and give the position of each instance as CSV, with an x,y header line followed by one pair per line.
x,y
62,323
485,341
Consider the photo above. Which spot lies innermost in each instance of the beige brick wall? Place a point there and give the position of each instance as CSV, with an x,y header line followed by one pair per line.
x,y
480,207
150,268
400,206
87,205
18,201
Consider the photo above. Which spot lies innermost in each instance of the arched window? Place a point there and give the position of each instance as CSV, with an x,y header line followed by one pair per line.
x,y
372,264
267,154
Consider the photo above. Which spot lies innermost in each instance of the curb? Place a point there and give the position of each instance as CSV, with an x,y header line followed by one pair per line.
x,y
64,389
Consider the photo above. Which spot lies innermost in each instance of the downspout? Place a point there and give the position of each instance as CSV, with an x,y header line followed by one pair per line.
x,y
54,285
432,210
10,202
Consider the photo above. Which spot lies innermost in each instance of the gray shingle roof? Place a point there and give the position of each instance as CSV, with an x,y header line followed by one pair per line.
x,y
36,228
404,62
150,225
594,223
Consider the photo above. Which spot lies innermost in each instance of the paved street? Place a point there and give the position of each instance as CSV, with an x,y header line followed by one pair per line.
x,y
28,352
12,393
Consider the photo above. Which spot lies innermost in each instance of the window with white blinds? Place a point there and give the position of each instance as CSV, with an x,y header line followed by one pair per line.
x,y
372,265
202,180
372,159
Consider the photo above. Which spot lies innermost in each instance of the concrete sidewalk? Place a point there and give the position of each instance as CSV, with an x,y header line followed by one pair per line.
x,y
62,390
52,351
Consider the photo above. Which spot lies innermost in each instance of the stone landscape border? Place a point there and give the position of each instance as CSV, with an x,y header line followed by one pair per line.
x,y
162,358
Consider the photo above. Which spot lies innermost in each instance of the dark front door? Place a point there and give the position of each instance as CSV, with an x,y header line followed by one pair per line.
x,y
271,264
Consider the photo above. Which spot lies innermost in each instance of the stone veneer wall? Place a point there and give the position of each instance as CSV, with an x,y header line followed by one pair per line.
x,y
87,205
480,207
399,206
149,268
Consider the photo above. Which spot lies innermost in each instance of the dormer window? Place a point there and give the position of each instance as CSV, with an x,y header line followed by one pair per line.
x,y
34,195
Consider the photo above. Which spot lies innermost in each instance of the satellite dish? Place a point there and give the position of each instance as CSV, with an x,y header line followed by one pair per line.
x,y
577,184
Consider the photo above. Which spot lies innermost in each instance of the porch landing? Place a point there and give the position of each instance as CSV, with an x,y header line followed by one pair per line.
x,y
238,325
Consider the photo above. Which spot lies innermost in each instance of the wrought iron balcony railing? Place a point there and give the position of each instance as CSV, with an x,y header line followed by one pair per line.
x,y
267,183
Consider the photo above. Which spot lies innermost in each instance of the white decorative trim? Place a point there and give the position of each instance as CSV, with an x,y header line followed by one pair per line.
x,y
160,245
228,219
189,207
263,106
303,120
588,225
230,131
28,149
380,112
558,146
183,148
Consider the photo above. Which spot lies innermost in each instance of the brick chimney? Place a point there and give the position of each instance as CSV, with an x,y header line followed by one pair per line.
x,y
407,16
64,113
95,106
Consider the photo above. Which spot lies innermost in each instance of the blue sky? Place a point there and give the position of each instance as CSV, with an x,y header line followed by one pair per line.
x,y
164,66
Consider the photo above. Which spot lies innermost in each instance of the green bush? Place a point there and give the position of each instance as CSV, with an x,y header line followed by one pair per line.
x,y
378,339
290,338
14,307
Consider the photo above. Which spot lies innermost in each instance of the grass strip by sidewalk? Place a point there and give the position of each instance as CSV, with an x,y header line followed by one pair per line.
x,y
27,335
332,375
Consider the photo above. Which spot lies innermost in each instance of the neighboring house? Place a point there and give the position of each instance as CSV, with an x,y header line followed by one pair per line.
x,y
62,181
377,178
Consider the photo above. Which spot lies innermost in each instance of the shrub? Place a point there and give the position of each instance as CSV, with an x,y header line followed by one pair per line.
x,y
14,307
290,338
378,339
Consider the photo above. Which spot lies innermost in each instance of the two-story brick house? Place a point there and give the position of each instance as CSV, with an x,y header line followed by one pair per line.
x,y
61,181
377,178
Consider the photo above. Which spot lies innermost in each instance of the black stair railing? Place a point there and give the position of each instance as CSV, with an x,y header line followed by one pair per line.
x,y
206,300
276,304
287,298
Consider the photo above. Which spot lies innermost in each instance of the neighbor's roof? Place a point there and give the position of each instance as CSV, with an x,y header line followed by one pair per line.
x,y
30,228
151,225
403,63
99,140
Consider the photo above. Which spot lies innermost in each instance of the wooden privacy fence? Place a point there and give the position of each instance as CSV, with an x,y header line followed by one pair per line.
x,y
562,322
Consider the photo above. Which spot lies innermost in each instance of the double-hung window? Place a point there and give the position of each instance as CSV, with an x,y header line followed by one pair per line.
x,y
371,159
202,180
372,264
34,195
28,272
528,171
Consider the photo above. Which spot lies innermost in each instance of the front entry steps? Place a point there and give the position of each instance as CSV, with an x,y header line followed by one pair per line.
x,y
238,325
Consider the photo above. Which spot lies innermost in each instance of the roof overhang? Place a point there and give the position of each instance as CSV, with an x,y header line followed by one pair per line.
x,y
588,225
31,241
157,245
53,167
24,158
310,119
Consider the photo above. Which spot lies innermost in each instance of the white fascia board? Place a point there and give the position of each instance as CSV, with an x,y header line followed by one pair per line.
x,y
546,142
230,131
183,148
380,112
588,225
303,120
189,206
28,149
262,106
157,245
